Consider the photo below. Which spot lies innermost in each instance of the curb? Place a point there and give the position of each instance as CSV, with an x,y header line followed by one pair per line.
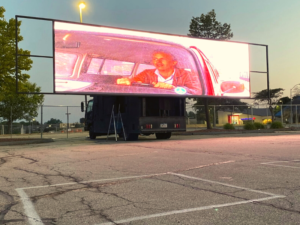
x,y
221,133
266,131
25,142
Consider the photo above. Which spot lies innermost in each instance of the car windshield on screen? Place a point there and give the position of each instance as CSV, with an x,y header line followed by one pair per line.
x,y
64,64
114,67
143,67
94,66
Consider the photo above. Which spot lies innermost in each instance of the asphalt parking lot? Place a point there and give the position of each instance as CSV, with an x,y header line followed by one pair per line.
x,y
200,179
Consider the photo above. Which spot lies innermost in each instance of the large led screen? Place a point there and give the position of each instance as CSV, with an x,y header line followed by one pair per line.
x,y
102,60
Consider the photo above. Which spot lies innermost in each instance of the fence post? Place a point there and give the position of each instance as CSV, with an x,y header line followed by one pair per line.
x,y
251,114
11,122
42,121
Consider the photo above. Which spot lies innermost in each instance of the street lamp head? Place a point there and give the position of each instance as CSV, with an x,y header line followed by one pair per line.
x,y
82,5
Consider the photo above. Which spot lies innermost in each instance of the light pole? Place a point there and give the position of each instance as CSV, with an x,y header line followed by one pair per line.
x,y
81,6
68,123
291,94
248,112
281,111
31,131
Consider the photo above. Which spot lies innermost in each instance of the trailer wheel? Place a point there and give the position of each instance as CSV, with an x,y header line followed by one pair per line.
x,y
132,137
163,135
92,134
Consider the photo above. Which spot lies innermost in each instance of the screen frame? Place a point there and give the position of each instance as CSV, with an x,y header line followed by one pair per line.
x,y
131,94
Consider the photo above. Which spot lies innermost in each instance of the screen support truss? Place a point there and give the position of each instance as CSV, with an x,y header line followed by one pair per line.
x,y
265,72
38,56
53,55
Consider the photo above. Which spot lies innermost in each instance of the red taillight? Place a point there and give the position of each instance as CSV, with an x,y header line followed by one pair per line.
x,y
148,126
176,125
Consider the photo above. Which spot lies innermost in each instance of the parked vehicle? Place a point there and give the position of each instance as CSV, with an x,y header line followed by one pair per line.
x,y
138,115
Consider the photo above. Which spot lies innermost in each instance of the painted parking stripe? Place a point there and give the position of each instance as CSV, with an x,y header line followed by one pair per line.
x,y
224,184
33,217
273,164
96,181
189,210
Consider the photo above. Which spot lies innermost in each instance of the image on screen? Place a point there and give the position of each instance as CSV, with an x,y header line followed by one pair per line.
x,y
101,60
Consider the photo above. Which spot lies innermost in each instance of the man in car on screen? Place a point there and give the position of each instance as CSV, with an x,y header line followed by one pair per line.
x,y
166,75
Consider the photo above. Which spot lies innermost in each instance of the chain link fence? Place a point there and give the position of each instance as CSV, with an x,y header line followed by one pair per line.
x,y
288,115
71,119
69,122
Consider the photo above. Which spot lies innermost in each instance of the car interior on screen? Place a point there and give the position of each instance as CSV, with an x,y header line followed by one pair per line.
x,y
93,62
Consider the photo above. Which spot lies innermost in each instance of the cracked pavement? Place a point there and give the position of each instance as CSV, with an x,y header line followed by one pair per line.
x,y
185,180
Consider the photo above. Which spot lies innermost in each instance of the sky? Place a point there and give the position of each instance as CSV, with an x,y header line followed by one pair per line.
x,y
269,22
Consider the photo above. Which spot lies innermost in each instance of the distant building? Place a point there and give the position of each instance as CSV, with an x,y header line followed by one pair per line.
x,y
239,117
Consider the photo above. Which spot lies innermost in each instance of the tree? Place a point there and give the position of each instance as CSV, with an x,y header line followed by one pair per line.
x,y
275,97
284,100
206,26
22,106
53,121
8,51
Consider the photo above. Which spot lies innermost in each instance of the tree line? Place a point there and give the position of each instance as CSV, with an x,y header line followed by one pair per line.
x,y
15,106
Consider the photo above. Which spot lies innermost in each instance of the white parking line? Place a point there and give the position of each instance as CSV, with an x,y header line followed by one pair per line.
x,y
211,164
224,184
188,210
273,196
272,164
34,219
94,181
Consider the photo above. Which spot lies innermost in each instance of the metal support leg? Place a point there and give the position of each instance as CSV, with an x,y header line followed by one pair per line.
x,y
114,120
281,115
214,116
296,117
110,121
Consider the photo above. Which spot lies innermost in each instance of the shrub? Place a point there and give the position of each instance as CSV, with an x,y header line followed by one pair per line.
x,y
259,125
276,125
228,126
249,126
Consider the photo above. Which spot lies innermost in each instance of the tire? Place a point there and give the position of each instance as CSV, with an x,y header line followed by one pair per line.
x,y
132,137
163,135
92,134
